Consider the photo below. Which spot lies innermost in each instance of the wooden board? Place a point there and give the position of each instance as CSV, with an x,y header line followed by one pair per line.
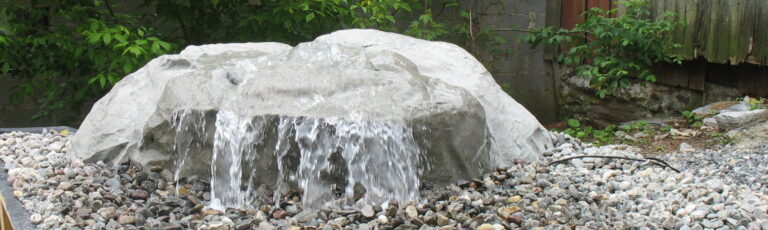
x,y
727,32
554,13
5,219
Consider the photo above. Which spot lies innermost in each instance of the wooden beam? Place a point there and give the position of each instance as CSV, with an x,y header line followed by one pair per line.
x,y
554,17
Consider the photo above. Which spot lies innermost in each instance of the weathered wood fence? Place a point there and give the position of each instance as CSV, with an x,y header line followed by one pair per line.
x,y
720,36
721,31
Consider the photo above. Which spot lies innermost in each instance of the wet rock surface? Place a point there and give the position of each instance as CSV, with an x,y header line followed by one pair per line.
x,y
715,190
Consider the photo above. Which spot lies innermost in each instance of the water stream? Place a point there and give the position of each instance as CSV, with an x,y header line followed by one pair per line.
x,y
331,160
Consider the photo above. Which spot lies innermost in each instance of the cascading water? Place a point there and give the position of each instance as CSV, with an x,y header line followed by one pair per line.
x,y
380,157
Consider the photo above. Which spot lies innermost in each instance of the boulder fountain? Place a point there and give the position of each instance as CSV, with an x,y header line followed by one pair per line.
x,y
354,114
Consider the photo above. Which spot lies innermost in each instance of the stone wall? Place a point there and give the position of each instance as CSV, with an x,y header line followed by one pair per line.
x,y
679,88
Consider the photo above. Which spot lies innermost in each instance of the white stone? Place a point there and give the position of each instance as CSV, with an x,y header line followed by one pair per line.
x,y
686,148
411,212
382,219
35,218
365,75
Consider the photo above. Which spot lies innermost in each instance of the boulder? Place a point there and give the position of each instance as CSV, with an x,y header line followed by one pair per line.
x,y
738,119
367,111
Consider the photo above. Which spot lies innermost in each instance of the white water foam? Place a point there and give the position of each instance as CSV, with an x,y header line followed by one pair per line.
x,y
381,157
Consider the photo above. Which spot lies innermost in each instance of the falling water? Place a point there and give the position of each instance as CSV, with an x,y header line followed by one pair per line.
x,y
189,127
380,157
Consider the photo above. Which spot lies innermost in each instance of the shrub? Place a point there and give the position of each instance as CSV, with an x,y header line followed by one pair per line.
x,y
69,52
608,50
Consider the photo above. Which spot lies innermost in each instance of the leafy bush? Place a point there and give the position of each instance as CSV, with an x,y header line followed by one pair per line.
x,y
693,119
69,52
575,129
608,50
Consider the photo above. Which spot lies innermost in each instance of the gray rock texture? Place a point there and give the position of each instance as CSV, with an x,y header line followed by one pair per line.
x,y
436,93
640,100
737,119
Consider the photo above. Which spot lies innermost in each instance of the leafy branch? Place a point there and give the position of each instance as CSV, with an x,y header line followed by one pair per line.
x,y
609,50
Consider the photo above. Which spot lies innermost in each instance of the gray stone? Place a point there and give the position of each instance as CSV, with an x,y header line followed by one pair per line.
x,y
367,211
711,122
382,219
35,218
712,224
434,96
215,226
107,212
411,212
125,219
686,148
738,119
442,220
266,226
306,216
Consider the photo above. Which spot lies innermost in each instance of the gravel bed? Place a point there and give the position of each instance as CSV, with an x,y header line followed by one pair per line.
x,y
714,190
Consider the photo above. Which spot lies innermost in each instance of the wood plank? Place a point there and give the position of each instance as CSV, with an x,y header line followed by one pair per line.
x,y
579,7
592,4
760,41
689,42
710,50
554,17
743,31
604,4
671,74
722,31
731,49
568,20
697,77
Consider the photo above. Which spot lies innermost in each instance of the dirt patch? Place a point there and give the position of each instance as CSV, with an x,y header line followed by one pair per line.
x,y
665,137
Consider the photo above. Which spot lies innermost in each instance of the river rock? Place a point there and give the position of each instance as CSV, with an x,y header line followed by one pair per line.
x,y
372,97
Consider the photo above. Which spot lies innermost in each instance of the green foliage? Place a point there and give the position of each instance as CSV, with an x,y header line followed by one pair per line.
x,y
755,103
575,129
641,125
693,119
609,50
290,21
70,52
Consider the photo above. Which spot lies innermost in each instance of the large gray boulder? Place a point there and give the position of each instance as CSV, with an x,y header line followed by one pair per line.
x,y
353,109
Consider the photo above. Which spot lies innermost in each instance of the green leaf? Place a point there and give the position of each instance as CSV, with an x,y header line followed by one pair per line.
x,y
94,38
6,67
107,38
390,18
94,79
135,50
573,123
165,45
310,16
128,68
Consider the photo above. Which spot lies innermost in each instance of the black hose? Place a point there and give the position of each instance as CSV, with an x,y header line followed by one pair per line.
x,y
652,160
